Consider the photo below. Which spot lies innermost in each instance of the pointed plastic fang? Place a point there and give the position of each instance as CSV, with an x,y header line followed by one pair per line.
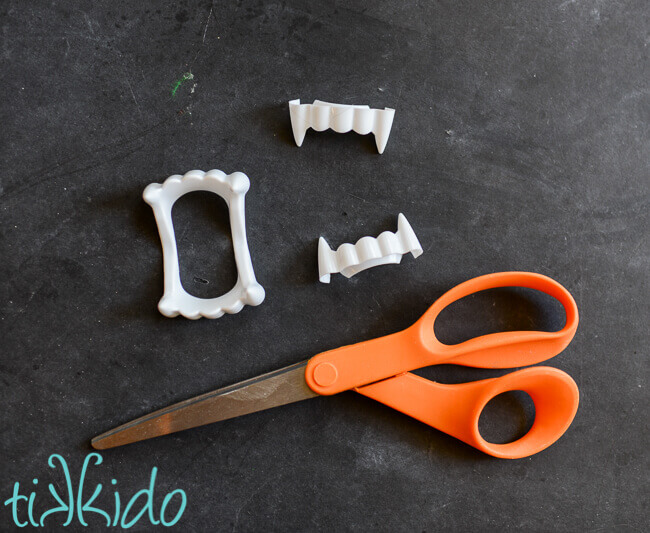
x,y
298,121
381,143
382,129
404,228
325,261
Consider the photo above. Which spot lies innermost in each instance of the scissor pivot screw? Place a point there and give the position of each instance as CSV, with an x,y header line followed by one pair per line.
x,y
325,374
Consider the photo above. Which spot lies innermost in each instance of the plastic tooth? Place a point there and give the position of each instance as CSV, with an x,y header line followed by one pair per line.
x,y
410,240
325,263
363,120
343,122
381,139
299,135
382,128
299,123
320,118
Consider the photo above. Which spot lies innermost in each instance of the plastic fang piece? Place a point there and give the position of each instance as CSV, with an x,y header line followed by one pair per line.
x,y
232,188
349,259
341,118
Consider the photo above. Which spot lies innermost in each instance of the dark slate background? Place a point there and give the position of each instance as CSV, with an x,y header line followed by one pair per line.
x,y
520,142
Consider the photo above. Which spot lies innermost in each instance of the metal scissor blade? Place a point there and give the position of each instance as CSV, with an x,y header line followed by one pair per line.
x,y
280,387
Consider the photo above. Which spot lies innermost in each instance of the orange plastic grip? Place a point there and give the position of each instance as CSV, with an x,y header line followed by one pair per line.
x,y
455,409
359,364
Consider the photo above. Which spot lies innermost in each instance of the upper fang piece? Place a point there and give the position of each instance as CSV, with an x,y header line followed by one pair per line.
x,y
341,118
349,259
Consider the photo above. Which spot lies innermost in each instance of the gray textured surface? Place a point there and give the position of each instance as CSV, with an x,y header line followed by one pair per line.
x,y
520,142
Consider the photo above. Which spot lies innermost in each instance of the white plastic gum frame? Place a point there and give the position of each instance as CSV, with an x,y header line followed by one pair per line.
x,y
232,188
350,259
341,118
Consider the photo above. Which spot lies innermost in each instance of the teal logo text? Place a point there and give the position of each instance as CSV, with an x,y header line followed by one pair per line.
x,y
69,504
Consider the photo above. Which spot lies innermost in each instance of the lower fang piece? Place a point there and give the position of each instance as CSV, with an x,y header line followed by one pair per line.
x,y
349,259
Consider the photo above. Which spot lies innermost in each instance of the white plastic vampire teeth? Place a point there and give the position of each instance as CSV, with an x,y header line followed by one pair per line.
x,y
341,118
349,259
232,188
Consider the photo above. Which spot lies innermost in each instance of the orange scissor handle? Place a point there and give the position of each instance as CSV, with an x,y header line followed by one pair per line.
x,y
455,409
360,364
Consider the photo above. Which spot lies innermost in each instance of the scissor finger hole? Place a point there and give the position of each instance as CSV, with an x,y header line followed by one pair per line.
x,y
555,398
497,310
507,417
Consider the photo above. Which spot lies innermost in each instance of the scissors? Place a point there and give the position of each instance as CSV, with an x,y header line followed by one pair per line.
x,y
380,369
